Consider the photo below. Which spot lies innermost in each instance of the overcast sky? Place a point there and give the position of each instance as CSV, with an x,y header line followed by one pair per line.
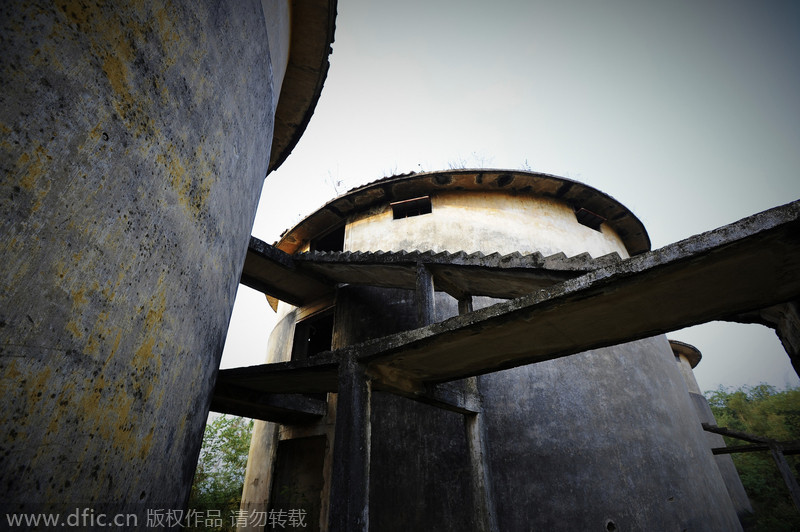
x,y
687,112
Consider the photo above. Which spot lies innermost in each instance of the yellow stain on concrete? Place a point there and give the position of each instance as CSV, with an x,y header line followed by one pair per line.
x,y
12,374
74,329
33,165
114,348
144,353
117,76
74,10
191,187
146,444
65,395
79,298
95,133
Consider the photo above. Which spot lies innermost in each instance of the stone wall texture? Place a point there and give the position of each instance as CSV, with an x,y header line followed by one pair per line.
x,y
135,139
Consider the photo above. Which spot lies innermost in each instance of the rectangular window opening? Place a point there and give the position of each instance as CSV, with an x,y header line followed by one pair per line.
x,y
411,207
313,335
331,241
589,219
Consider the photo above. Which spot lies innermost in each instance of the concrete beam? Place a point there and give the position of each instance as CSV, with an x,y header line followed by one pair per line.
x,y
273,272
279,408
305,277
751,264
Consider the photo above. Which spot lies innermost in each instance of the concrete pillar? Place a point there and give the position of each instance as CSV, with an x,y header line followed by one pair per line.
x,y
349,496
425,296
135,139
258,475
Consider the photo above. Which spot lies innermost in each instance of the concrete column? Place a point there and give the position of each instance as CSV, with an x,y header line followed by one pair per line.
x,y
135,139
260,468
485,516
424,296
349,498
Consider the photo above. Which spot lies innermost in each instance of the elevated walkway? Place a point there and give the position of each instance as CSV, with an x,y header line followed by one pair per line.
x,y
560,306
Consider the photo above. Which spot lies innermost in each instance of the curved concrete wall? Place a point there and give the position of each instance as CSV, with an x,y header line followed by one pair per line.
x,y
727,468
488,222
264,440
136,137
602,440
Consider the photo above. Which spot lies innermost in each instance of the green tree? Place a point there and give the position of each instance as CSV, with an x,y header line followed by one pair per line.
x,y
762,411
219,477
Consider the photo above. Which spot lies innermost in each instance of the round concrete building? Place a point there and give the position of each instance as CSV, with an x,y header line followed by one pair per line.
x,y
135,141
601,440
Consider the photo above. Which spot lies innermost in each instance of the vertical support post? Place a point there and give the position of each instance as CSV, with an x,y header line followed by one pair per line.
x,y
465,305
478,453
481,487
349,499
424,296
786,473
260,468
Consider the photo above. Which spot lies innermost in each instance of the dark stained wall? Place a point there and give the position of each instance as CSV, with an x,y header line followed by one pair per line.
x,y
135,138
419,464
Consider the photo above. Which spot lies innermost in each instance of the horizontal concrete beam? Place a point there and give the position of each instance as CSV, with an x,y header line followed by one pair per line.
x,y
748,265
274,273
305,277
751,264
279,408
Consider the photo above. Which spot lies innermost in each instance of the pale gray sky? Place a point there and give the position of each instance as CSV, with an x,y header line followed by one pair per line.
x,y
685,111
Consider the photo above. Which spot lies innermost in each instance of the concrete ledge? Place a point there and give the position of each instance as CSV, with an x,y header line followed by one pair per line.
x,y
279,408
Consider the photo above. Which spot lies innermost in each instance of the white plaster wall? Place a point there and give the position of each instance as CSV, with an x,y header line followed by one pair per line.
x,y
488,222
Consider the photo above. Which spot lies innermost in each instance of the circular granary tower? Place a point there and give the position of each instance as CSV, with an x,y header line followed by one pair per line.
x,y
606,439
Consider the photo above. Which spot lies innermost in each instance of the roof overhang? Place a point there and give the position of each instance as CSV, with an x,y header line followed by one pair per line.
x,y
312,29
402,187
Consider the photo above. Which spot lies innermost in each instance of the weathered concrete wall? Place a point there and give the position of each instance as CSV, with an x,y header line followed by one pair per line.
x,y
683,353
419,475
727,468
277,16
606,439
685,367
488,222
135,139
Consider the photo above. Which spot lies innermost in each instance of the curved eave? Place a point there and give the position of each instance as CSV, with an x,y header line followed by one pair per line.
x,y
334,213
312,28
691,353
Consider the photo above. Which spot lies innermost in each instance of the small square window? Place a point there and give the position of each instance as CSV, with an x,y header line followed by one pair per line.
x,y
589,219
411,207
332,241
